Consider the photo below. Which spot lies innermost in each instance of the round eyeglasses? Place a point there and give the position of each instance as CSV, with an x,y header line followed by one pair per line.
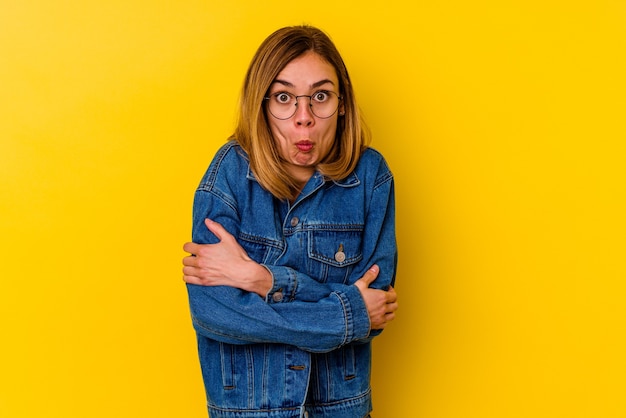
x,y
283,105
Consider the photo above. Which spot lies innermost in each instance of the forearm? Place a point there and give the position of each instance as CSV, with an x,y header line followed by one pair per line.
x,y
238,317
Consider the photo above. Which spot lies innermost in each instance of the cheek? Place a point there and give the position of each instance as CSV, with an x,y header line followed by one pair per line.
x,y
278,135
330,133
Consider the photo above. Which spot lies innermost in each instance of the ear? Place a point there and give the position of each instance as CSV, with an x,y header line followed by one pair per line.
x,y
342,110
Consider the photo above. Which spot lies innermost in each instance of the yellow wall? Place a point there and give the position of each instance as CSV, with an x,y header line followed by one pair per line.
x,y
504,122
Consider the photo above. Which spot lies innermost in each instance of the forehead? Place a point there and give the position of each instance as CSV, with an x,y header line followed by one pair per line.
x,y
307,70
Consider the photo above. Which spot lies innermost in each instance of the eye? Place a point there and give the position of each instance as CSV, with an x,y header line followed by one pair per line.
x,y
321,96
283,98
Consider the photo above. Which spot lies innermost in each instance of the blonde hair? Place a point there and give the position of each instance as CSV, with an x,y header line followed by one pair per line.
x,y
253,132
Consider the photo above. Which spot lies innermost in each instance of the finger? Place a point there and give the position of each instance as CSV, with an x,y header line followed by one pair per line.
x,y
190,261
190,271
191,247
391,308
192,280
391,295
218,230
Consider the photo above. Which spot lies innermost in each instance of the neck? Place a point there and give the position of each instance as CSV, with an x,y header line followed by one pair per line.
x,y
300,177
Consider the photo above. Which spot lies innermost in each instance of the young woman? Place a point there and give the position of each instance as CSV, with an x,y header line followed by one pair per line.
x,y
294,249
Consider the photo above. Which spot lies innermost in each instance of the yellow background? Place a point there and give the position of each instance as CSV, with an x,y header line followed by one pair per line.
x,y
504,122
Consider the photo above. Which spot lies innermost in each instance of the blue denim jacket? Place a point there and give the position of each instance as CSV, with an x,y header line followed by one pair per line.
x,y
304,349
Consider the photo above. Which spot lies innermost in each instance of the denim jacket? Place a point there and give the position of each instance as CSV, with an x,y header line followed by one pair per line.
x,y
304,349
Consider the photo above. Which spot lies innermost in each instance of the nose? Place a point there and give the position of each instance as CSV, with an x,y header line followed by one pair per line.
x,y
304,115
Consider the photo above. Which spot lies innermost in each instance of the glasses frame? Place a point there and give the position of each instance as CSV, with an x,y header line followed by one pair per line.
x,y
295,106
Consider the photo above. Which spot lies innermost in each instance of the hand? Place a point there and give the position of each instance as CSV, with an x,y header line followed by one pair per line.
x,y
225,263
381,305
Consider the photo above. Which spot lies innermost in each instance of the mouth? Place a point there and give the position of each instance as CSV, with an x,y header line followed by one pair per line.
x,y
304,145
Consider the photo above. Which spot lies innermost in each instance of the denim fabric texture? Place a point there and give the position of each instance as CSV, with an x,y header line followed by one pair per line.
x,y
306,347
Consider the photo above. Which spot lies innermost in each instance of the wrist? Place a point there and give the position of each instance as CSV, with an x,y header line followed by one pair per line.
x,y
262,281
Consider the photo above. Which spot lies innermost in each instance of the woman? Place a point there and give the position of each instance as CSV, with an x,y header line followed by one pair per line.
x,y
294,250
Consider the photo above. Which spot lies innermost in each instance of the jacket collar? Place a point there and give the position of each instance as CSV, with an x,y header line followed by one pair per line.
x,y
351,181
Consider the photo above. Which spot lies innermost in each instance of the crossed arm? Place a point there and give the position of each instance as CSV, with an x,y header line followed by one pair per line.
x,y
226,263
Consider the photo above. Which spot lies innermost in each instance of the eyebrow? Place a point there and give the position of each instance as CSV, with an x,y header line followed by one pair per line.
x,y
314,85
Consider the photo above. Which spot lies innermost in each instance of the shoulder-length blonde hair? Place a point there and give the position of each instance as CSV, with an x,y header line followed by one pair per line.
x,y
253,132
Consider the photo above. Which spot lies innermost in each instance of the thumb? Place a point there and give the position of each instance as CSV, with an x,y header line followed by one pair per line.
x,y
216,228
370,275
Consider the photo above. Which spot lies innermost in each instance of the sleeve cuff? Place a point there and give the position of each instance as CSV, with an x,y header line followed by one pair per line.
x,y
284,284
357,318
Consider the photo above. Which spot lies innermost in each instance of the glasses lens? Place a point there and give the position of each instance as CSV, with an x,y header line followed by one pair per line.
x,y
283,105
324,104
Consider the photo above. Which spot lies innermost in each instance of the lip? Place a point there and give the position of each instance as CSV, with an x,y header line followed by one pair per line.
x,y
304,145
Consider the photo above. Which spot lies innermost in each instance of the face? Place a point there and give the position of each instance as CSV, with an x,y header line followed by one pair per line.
x,y
304,139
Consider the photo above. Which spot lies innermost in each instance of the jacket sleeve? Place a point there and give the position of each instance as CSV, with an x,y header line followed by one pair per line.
x,y
233,316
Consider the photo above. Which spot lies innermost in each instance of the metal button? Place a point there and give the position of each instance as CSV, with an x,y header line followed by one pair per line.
x,y
294,221
277,296
340,256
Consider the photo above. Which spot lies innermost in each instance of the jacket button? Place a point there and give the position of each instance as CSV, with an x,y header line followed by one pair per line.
x,y
340,256
294,221
277,296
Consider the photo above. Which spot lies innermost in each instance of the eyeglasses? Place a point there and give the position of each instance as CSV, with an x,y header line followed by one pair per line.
x,y
283,105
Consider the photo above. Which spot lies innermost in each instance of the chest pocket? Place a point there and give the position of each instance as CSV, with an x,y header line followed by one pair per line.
x,y
333,253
